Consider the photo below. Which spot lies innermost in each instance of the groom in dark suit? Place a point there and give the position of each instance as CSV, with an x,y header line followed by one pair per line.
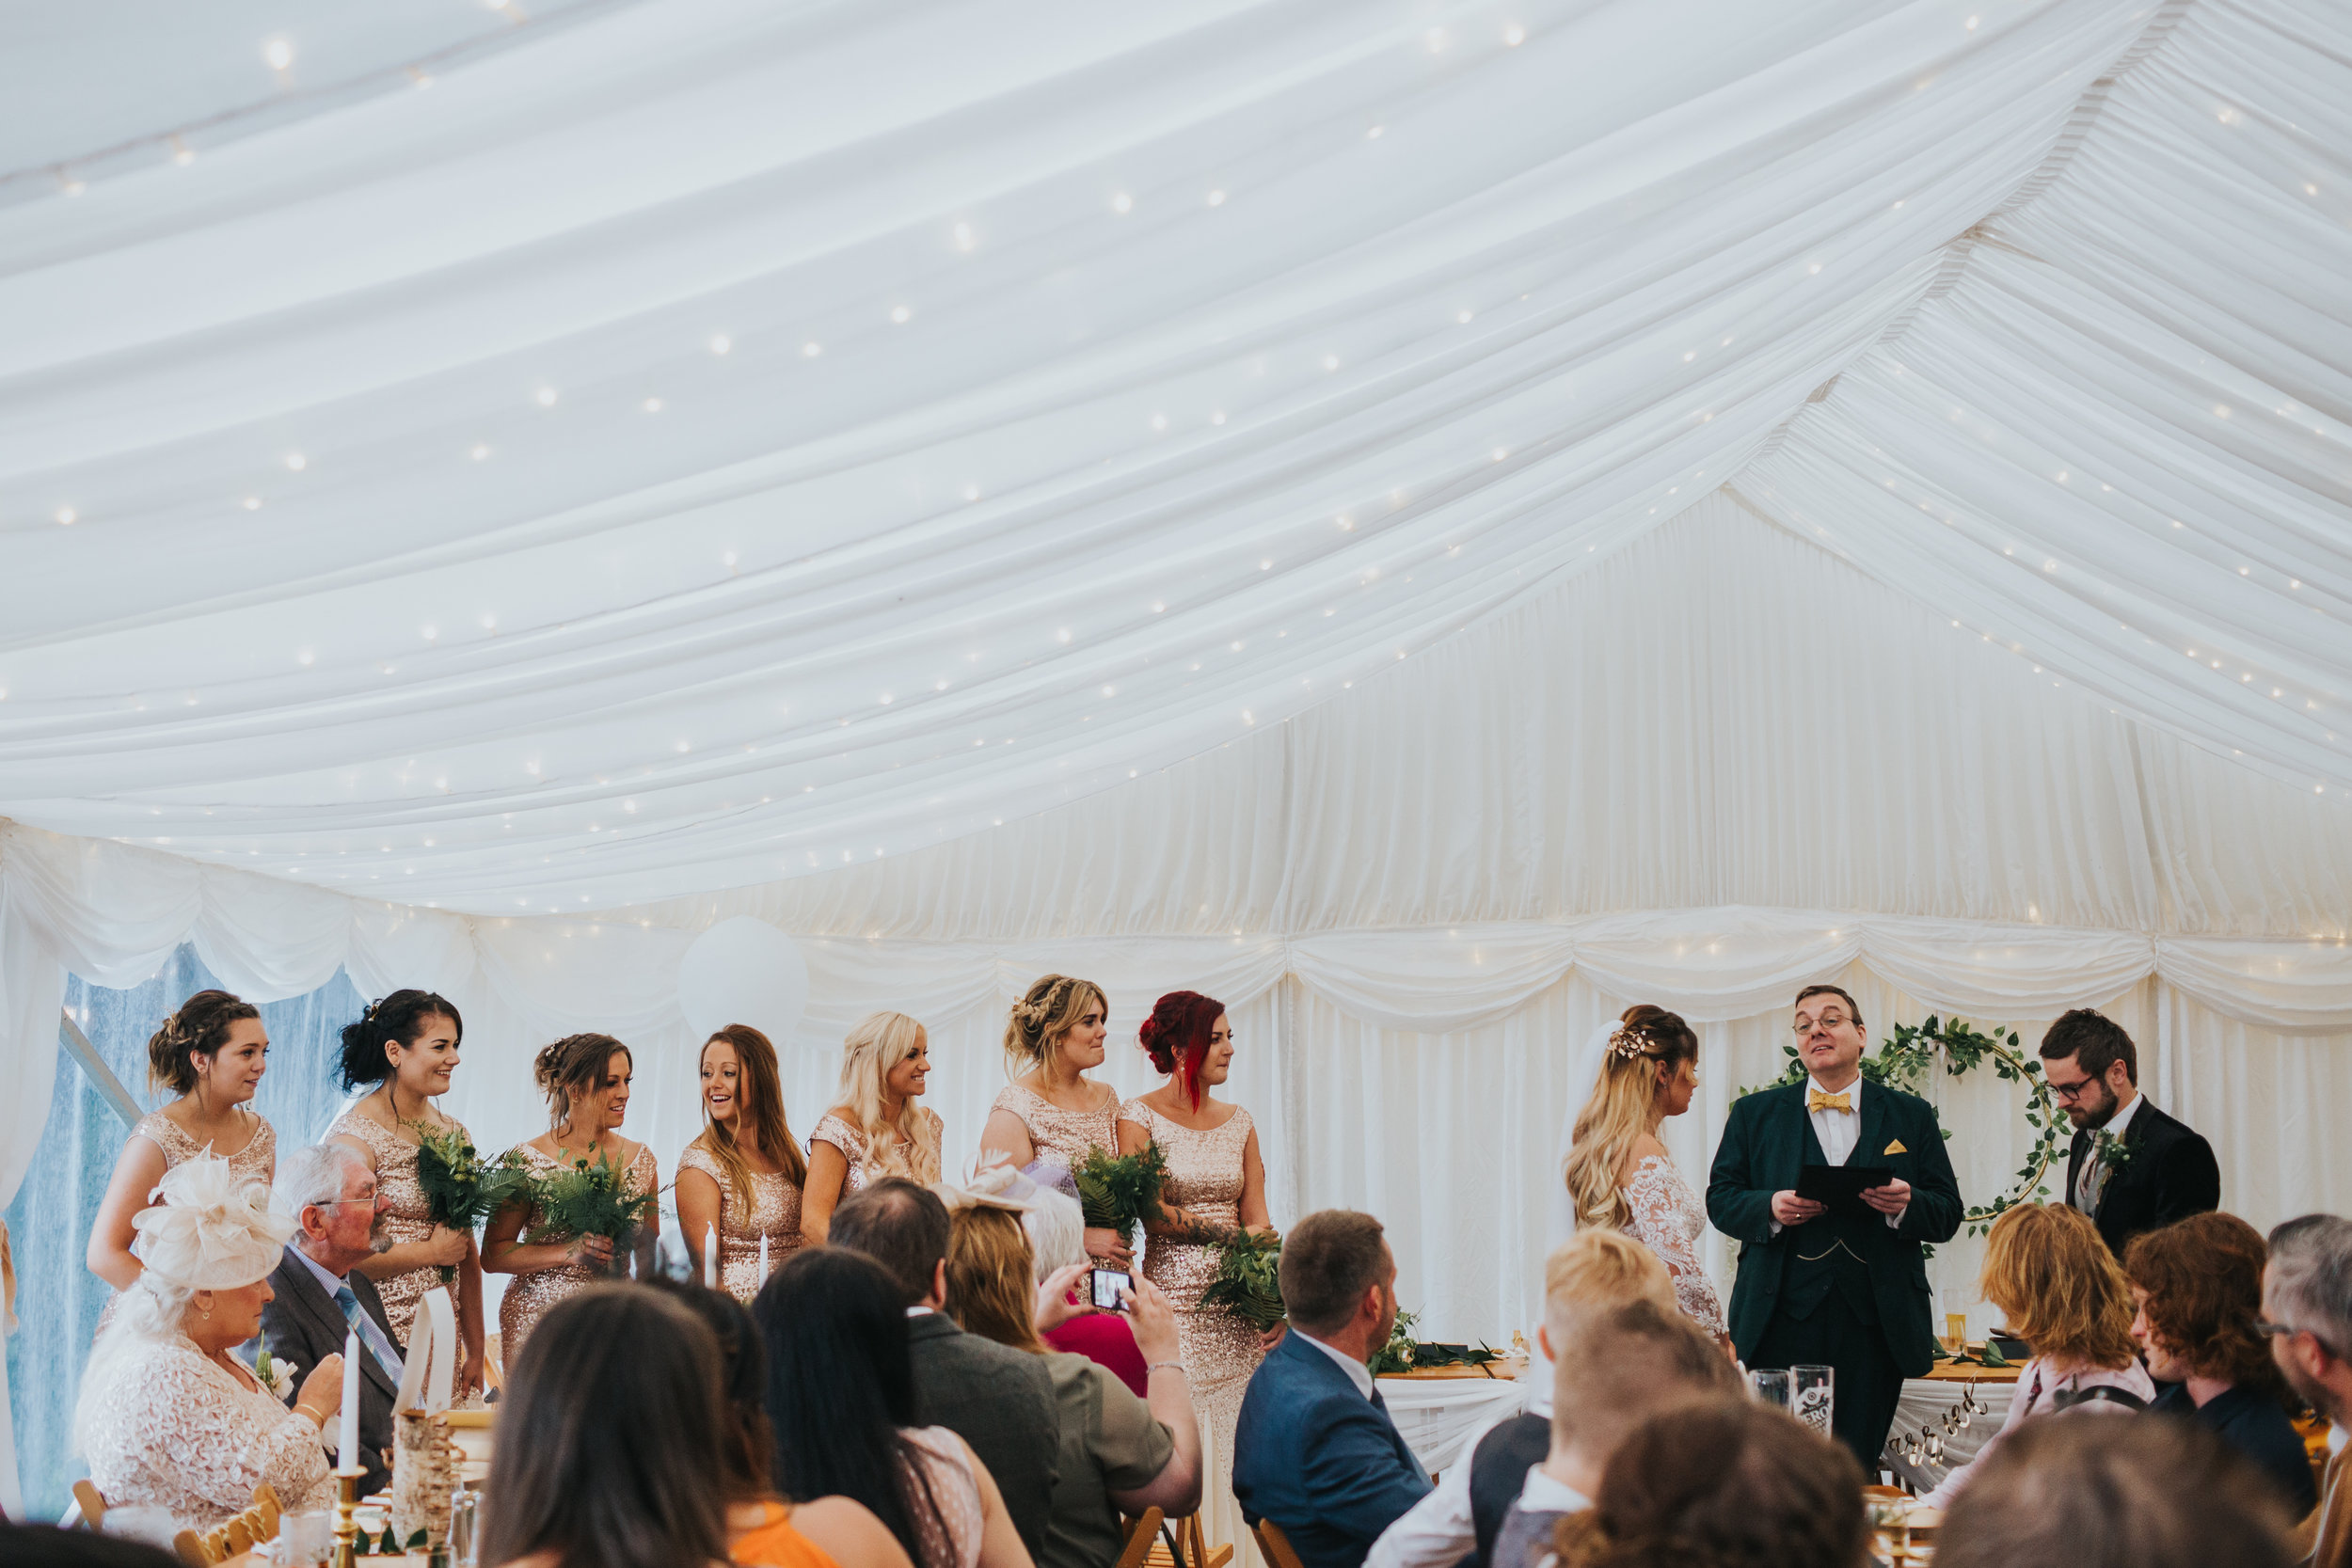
x,y
2132,1168
1849,1291
319,1294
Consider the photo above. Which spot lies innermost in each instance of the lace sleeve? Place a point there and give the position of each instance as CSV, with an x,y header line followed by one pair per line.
x,y
217,1441
1666,1219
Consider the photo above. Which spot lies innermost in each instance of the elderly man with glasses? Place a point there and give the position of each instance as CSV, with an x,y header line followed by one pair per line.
x,y
1843,1284
2306,1312
2132,1168
320,1295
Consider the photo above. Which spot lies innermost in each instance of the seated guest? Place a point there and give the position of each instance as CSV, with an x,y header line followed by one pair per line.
x,y
764,1531
609,1450
319,1296
1056,1227
168,1418
1617,1370
1314,1449
2064,1295
998,1400
2167,1172
47,1546
1593,1270
1118,1454
2115,1494
841,1400
2198,1284
1726,1483
2307,1313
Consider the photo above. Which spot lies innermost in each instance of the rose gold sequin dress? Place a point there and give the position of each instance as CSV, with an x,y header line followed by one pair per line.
x,y
775,1214
529,1295
1068,1136
839,1131
1220,1351
256,1162
407,1220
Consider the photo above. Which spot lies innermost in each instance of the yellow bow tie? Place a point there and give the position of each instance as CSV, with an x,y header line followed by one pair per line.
x,y
1817,1101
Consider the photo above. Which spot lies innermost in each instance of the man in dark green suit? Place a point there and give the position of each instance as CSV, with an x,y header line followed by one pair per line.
x,y
1816,1288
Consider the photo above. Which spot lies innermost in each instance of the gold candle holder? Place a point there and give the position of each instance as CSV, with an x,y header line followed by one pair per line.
x,y
347,1527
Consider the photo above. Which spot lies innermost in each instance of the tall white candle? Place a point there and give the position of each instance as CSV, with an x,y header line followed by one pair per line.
x,y
710,1257
763,1257
348,1440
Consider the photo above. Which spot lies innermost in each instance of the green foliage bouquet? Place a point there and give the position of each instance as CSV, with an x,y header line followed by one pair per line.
x,y
1248,1281
593,1200
462,1189
1117,1191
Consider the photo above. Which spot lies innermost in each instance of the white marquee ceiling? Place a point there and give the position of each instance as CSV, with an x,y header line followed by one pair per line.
x,y
710,441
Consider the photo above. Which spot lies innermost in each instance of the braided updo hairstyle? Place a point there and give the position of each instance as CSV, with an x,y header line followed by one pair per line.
x,y
199,1028
1724,1483
1040,1019
399,1019
573,1064
1176,1036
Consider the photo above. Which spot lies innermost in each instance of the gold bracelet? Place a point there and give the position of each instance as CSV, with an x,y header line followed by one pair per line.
x,y
319,1417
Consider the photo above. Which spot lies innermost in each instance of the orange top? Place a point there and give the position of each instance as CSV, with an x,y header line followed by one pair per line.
x,y
773,1543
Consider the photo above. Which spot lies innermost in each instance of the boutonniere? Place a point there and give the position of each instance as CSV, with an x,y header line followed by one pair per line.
x,y
2111,1151
273,1374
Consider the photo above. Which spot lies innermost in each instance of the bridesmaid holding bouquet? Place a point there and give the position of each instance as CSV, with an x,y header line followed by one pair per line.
x,y
406,1046
1055,1034
1215,1187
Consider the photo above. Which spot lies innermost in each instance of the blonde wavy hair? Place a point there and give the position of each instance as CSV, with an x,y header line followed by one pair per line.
x,y
1619,1111
2047,1270
909,1146
1050,1010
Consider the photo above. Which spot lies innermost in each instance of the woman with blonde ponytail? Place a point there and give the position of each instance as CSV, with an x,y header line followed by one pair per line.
x,y
1052,1108
1619,1174
878,1130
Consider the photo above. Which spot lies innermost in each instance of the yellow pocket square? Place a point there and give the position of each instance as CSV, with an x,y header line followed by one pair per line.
x,y
1897,1147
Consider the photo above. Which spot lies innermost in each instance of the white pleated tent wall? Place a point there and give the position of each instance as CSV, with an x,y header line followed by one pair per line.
x,y
1430,522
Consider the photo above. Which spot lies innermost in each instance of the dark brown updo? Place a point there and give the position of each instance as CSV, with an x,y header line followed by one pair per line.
x,y
573,1064
199,1028
399,1019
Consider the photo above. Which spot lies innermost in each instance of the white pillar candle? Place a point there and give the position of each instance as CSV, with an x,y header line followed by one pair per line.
x,y
710,1257
348,1440
763,1257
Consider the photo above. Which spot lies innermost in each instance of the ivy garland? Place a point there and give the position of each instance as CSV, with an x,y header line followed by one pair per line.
x,y
1907,1061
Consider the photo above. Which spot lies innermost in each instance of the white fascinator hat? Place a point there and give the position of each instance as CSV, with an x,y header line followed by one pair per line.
x,y
215,1231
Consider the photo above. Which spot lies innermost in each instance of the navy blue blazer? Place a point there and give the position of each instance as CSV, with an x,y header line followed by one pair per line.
x,y
1320,1460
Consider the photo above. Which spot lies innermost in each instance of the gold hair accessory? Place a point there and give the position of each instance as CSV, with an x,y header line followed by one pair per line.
x,y
1625,1044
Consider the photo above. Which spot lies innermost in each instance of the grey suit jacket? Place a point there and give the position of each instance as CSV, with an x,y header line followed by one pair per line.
x,y
305,1326
1001,1401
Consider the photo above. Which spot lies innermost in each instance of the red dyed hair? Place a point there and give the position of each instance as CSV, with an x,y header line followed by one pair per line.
x,y
1176,1035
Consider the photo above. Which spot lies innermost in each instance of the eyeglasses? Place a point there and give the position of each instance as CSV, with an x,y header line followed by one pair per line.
x,y
1827,1021
2264,1327
2072,1091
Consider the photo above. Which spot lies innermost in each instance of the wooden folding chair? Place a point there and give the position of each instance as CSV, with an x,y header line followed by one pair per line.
x,y
1141,1531
94,1503
196,1551
1275,1544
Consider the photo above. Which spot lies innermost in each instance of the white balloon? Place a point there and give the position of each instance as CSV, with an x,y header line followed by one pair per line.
x,y
743,970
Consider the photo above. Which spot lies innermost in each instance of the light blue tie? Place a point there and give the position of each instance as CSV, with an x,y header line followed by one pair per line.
x,y
370,1335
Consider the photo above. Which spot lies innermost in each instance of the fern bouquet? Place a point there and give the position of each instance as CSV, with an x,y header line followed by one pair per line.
x,y
1248,1281
462,1189
593,1200
1117,1191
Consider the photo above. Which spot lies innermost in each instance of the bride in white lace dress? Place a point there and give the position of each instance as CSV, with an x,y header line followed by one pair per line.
x,y
1619,1176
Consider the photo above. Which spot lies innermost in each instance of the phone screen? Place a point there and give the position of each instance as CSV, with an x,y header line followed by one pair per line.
x,y
1109,1286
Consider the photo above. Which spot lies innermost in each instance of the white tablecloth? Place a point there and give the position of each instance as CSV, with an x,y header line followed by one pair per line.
x,y
1436,1416
1925,1403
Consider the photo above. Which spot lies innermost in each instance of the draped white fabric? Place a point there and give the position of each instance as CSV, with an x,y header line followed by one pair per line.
x,y
710,441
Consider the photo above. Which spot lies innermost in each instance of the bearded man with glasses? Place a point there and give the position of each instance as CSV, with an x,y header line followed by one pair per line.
x,y
1844,1286
2132,1168
2307,1315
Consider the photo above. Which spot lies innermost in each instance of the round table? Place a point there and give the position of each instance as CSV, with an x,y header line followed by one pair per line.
x,y
1436,1412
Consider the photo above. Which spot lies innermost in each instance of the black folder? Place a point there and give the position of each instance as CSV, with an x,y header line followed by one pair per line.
x,y
1839,1188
